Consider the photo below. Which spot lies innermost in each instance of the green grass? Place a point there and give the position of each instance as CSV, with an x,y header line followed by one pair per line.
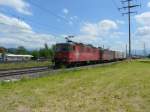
x,y
23,64
123,87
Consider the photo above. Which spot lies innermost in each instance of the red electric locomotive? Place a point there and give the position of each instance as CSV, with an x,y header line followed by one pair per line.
x,y
72,53
75,53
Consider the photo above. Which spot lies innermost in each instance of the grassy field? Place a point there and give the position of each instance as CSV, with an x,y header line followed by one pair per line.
x,y
123,87
24,64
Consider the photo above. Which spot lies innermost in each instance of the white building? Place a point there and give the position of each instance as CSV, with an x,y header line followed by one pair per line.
x,y
1,57
14,57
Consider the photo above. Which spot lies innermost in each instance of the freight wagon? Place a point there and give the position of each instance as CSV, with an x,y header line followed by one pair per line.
x,y
118,55
107,55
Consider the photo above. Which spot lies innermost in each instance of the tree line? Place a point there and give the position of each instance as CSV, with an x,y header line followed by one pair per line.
x,y
44,53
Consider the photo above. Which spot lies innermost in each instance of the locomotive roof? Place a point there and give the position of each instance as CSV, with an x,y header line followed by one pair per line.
x,y
81,44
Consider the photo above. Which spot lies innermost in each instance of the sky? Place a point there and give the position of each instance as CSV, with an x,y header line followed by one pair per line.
x,y
31,23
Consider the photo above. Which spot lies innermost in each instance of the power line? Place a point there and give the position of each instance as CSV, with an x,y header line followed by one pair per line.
x,y
48,27
115,4
128,6
48,11
37,24
31,21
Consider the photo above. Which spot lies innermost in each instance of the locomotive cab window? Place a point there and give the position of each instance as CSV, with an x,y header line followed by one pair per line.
x,y
81,49
74,48
63,47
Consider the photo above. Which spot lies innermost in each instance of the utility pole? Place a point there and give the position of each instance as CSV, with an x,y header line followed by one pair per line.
x,y
103,47
129,5
126,50
135,52
129,20
144,50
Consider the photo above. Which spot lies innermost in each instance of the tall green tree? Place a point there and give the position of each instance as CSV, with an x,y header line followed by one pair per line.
x,y
21,50
46,53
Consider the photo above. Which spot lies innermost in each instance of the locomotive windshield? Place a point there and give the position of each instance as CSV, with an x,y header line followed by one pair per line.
x,y
63,47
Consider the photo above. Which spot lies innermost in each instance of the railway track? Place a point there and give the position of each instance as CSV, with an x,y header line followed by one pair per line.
x,y
10,69
33,71
11,72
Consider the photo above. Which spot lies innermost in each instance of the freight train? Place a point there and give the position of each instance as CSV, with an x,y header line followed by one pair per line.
x,y
72,53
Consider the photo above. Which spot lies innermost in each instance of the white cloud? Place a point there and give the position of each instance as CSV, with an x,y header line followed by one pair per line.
x,y
19,5
117,34
18,33
89,28
104,32
99,29
120,22
68,17
148,4
107,25
143,19
13,22
73,18
30,41
70,23
65,11
142,33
